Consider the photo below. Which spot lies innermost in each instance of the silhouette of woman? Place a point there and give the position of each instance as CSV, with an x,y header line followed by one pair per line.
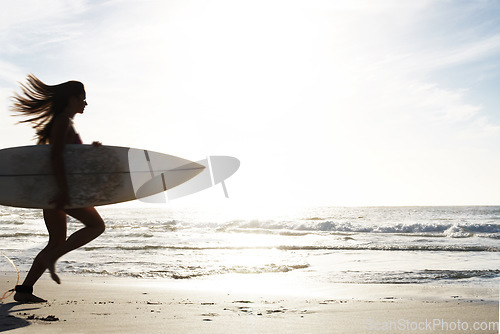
x,y
50,110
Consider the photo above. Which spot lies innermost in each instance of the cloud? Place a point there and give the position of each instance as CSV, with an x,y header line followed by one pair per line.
x,y
32,25
433,59
9,72
348,87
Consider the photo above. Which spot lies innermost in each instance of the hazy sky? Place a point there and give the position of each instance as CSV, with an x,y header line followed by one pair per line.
x,y
347,102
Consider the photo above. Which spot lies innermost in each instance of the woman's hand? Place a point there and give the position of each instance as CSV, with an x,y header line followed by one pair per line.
x,y
96,143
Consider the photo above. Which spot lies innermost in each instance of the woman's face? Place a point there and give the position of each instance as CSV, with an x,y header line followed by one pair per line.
x,y
79,103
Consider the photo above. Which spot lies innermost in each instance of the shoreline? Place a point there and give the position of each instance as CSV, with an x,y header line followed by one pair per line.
x,y
245,303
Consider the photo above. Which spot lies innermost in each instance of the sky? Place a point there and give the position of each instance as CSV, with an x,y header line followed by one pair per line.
x,y
327,102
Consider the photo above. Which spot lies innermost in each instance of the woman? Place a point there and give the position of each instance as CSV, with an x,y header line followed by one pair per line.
x,y
51,109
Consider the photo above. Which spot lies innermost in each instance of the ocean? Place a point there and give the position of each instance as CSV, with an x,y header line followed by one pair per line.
x,y
380,245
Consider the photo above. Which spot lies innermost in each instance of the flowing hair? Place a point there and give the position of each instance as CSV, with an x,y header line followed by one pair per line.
x,y
40,103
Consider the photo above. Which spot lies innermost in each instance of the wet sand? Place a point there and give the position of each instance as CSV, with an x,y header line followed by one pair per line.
x,y
246,304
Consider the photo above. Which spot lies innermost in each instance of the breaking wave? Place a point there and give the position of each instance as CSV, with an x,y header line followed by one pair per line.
x,y
438,229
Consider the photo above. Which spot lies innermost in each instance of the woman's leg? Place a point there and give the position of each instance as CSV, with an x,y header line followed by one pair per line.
x,y
59,245
55,221
94,227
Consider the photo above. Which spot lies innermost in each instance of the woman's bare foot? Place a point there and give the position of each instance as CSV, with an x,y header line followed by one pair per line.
x,y
50,265
23,297
53,275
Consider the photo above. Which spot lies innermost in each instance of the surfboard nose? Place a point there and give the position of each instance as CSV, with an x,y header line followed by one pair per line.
x,y
152,172
223,167
168,179
217,169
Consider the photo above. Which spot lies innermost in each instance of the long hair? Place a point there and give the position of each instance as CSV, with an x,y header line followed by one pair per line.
x,y
40,103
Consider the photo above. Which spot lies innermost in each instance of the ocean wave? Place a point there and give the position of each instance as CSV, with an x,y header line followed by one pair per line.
x,y
438,229
339,247
11,222
411,277
348,276
22,235
383,247
134,235
183,272
168,225
126,248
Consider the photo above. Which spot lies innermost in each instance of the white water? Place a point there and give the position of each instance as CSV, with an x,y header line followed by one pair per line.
x,y
360,245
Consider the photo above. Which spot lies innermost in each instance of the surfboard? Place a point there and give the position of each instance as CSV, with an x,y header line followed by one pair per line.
x,y
217,170
95,175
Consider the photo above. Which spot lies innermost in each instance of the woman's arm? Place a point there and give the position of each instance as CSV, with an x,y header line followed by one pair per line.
x,y
58,137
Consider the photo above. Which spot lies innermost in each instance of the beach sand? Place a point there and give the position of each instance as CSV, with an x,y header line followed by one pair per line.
x,y
265,303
